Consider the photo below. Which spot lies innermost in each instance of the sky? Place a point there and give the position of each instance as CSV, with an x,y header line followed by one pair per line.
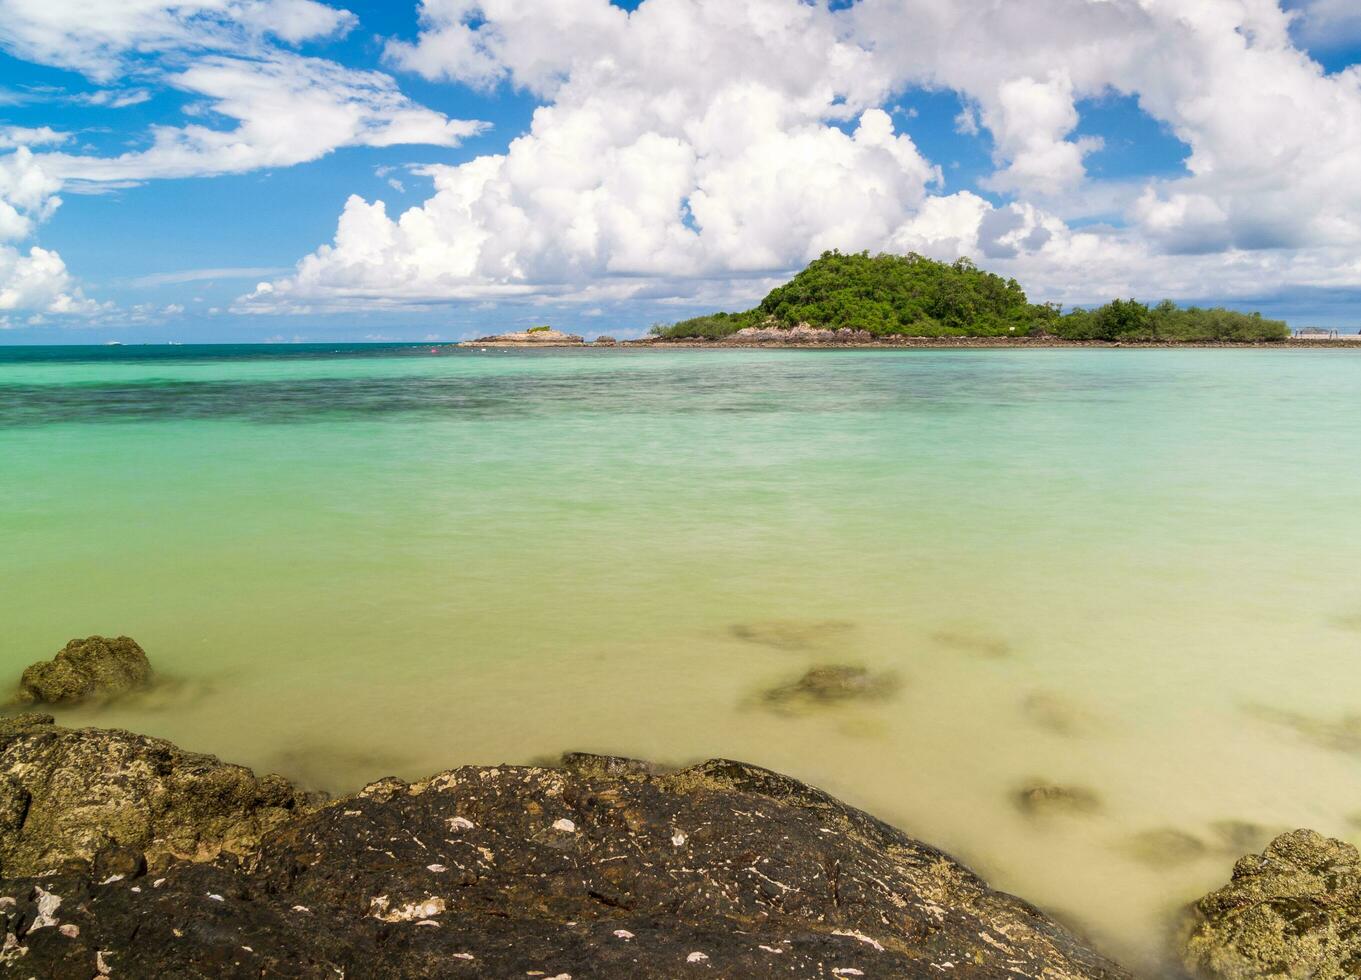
x,y
294,170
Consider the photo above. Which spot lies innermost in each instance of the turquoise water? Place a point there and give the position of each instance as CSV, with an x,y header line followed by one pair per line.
x,y
1133,571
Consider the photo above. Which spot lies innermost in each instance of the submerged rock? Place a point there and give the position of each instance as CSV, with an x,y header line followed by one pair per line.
x,y
830,685
66,795
1166,847
1058,715
1169,847
604,870
794,635
975,644
1041,798
1293,912
1340,735
95,667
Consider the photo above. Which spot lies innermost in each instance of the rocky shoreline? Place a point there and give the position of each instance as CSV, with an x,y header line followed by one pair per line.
x,y
965,343
124,855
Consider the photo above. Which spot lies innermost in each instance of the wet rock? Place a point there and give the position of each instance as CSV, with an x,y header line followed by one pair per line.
x,y
831,685
96,667
793,635
1294,911
606,870
974,644
1041,798
66,795
1165,848
1058,715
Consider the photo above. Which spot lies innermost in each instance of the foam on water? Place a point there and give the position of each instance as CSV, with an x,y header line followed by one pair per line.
x,y
1131,572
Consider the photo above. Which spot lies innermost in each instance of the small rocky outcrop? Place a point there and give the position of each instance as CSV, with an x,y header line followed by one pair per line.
x,y
604,341
528,338
802,333
606,869
66,795
1039,798
95,667
830,685
1290,913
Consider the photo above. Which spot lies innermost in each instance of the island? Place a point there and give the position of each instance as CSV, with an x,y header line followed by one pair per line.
x,y
859,299
544,336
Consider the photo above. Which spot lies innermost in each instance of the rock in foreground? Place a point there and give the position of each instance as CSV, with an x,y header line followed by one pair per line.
x,y
605,870
96,667
67,795
1293,912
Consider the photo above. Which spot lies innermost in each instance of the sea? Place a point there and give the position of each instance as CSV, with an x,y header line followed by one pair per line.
x,y
1131,574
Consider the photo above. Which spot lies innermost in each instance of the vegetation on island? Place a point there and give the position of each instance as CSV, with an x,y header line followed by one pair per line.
x,y
541,329
913,296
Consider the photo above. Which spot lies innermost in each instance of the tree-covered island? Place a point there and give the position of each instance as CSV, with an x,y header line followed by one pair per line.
x,y
888,296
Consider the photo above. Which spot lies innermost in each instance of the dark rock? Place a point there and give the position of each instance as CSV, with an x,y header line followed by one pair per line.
x,y
604,871
831,685
1040,798
1294,911
120,861
65,795
794,635
604,341
96,667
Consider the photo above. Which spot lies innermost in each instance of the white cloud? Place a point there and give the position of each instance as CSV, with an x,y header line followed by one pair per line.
x,y
1329,24
288,110
99,38
39,281
16,136
694,141
258,105
691,139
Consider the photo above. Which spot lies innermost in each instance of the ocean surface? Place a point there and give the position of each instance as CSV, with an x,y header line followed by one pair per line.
x,y
1135,572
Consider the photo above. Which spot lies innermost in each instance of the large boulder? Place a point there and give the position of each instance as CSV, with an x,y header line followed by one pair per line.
x,y
67,795
1290,913
606,870
95,667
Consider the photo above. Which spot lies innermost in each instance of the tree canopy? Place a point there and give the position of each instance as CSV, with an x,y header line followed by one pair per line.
x,y
911,295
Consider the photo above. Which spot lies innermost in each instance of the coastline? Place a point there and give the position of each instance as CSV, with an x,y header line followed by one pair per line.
x,y
918,343
984,343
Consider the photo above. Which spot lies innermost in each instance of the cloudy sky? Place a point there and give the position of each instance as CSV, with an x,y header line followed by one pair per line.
x,y
292,169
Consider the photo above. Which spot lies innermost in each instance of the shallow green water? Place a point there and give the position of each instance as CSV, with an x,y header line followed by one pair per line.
x,y
375,561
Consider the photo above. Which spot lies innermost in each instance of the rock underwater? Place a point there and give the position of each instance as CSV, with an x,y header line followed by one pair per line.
x,y
605,868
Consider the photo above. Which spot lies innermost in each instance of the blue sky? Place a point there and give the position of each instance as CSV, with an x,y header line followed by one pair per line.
x,y
686,155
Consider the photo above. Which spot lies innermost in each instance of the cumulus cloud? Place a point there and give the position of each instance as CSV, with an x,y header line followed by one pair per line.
x,y
696,139
36,280
690,139
257,103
